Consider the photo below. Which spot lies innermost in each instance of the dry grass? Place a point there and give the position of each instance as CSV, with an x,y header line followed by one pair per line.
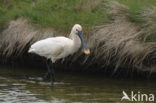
x,y
118,45
149,16
19,35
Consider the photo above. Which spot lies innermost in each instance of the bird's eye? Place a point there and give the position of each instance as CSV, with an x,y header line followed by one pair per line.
x,y
77,30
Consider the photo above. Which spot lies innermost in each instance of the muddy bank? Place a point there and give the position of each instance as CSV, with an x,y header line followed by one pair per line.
x,y
116,47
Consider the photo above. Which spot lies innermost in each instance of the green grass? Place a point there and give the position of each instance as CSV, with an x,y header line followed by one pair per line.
x,y
136,7
59,14
11,9
63,14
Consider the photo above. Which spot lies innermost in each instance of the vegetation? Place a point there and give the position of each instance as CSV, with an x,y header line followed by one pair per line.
x,y
114,44
59,14
140,11
62,14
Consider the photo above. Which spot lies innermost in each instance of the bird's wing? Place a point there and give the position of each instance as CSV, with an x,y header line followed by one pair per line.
x,y
58,50
48,48
54,49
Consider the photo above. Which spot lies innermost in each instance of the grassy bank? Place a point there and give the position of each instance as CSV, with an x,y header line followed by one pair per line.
x,y
142,13
58,14
115,42
62,14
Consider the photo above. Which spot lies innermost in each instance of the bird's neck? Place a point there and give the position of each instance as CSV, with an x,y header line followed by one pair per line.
x,y
76,41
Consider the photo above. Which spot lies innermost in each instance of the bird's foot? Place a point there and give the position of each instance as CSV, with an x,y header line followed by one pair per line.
x,y
49,77
46,77
53,80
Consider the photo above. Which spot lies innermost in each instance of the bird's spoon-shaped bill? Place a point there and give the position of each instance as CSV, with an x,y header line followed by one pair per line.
x,y
87,52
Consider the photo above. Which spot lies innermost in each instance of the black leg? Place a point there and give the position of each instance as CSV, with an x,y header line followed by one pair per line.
x,y
50,73
47,75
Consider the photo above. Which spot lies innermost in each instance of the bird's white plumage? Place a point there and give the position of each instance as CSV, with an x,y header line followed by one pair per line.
x,y
55,48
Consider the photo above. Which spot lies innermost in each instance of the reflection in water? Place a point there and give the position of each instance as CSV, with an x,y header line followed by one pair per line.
x,y
68,88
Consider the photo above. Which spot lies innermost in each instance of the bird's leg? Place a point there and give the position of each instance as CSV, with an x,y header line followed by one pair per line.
x,y
50,73
47,75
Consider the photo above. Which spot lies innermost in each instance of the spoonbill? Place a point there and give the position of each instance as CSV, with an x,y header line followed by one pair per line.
x,y
55,48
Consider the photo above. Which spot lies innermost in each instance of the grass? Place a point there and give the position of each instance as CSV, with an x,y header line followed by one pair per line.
x,y
59,14
136,9
11,9
63,14
113,45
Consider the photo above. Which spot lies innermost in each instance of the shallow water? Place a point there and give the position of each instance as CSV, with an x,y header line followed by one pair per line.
x,y
15,87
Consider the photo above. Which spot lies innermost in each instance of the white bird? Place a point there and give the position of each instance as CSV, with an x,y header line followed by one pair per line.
x,y
56,48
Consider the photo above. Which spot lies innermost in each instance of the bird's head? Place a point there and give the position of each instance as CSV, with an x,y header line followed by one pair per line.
x,y
77,29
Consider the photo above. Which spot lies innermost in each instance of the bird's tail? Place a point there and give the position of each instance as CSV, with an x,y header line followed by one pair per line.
x,y
31,50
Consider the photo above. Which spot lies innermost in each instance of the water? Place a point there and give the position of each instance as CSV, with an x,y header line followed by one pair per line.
x,y
69,88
